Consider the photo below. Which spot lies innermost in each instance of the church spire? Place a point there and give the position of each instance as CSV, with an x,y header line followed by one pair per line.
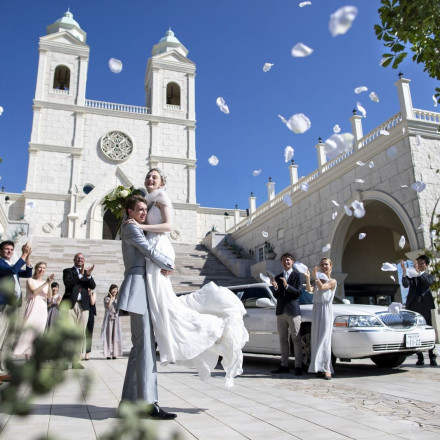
x,y
169,43
67,23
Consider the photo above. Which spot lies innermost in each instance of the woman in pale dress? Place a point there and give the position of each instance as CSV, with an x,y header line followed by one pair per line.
x,y
53,302
111,326
35,314
322,319
192,329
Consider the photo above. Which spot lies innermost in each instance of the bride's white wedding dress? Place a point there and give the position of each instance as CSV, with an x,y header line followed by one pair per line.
x,y
197,328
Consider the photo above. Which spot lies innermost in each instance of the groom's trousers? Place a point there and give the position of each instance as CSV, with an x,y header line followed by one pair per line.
x,y
141,377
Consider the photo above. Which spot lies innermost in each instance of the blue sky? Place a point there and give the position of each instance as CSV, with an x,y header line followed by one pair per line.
x,y
229,41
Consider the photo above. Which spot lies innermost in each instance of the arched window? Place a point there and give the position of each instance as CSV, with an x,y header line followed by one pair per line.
x,y
61,79
173,94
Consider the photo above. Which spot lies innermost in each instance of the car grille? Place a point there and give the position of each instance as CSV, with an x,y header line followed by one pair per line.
x,y
394,347
404,320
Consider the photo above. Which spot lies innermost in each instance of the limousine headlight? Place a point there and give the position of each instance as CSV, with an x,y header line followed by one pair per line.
x,y
421,320
357,321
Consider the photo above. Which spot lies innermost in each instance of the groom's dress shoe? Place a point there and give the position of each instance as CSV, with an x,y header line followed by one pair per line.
x,y
158,413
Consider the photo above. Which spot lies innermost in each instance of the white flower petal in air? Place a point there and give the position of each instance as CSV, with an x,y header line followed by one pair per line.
x,y
403,130
389,267
337,144
359,210
249,221
256,173
359,180
304,187
392,277
336,128
371,164
265,279
299,123
402,242
419,140
335,203
222,105
283,119
433,98
384,132
394,307
341,20
392,153
287,200
115,65
264,234
362,235
348,211
411,272
360,163
302,4
334,215
326,248
418,186
30,204
300,267
288,153
213,160
1,110
267,67
361,89
433,233
301,50
373,96
422,226
361,109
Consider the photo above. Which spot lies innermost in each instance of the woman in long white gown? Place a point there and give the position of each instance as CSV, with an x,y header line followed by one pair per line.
x,y
197,328
322,319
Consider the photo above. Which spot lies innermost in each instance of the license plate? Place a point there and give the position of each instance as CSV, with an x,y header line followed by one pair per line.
x,y
412,341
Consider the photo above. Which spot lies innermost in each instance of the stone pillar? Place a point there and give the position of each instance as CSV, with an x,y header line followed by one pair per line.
x,y
252,204
153,137
190,91
320,149
270,189
356,128
41,75
236,215
73,215
293,172
82,80
405,101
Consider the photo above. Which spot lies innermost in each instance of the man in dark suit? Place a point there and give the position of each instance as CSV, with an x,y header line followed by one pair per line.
x,y
77,281
10,295
420,298
287,286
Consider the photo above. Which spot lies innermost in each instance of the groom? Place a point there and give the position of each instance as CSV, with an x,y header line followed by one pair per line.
x,y
140,382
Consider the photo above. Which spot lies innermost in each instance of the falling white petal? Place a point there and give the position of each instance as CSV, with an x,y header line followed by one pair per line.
x,y
337,144
361,109
361,89
267,67
220,101
249,221
362,235
404,186
359,180
256,173
336,128
394,307
419,140
392,277
115,65
213,160
371,164
264,234
335,203
265,279
360,163
334,215
341,20
422,226
1,110
301,50
403,130
433,97
222,105
299,123
392,153
348,211
433,233
287,200
288,153
326,247
302,4
418,186
283,119
402,242
304,187
384,132
300,267
389,267
359,210
373,96
30,204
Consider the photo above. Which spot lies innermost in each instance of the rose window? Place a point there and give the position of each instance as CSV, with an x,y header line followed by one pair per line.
x,y
116,145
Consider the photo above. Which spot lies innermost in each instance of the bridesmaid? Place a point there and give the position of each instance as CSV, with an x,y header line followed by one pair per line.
x,y
111,326
35,315
53,301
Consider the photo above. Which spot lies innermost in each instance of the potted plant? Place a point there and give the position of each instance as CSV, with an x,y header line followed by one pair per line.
x,y
269,251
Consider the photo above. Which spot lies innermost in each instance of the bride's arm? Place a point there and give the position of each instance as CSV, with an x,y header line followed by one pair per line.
x,y
165,226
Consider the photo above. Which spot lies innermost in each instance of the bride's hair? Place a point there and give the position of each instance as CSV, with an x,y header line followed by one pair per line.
x,y
161,174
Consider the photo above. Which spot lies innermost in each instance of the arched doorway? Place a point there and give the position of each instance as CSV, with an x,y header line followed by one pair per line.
x,y
109,226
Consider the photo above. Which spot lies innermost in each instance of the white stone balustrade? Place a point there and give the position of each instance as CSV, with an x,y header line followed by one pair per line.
x,y
91,103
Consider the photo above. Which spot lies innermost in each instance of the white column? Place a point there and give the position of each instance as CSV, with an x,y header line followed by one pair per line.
x,y
293,172
320,149
190,90
405,101
82,80
236,215
252,204
356,128
41,75
153,137
270,189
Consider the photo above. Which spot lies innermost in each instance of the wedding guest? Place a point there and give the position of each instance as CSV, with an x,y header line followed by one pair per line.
x,y
322,319
35,314
53,301
9,275
90,324
111,326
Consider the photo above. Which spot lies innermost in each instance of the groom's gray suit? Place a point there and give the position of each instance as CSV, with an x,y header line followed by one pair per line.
x,y
141,378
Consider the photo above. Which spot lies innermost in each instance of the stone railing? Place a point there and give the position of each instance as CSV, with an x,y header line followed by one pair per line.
x,y
117,107
172,107
374,134
60,92
424,115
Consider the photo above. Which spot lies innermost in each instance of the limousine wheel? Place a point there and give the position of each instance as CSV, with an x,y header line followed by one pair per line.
x,y
388,360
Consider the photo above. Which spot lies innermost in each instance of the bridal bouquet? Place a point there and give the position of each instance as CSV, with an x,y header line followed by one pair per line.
x,y
115,201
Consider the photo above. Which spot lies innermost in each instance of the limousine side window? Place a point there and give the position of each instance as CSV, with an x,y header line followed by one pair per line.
x,y
249,295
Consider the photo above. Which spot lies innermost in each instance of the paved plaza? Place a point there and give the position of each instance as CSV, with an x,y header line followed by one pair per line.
x,y
361,402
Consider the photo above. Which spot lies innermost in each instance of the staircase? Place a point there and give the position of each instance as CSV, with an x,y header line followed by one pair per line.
x,y
194,267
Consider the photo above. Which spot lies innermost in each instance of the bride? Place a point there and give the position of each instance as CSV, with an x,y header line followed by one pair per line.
x,y
197,328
